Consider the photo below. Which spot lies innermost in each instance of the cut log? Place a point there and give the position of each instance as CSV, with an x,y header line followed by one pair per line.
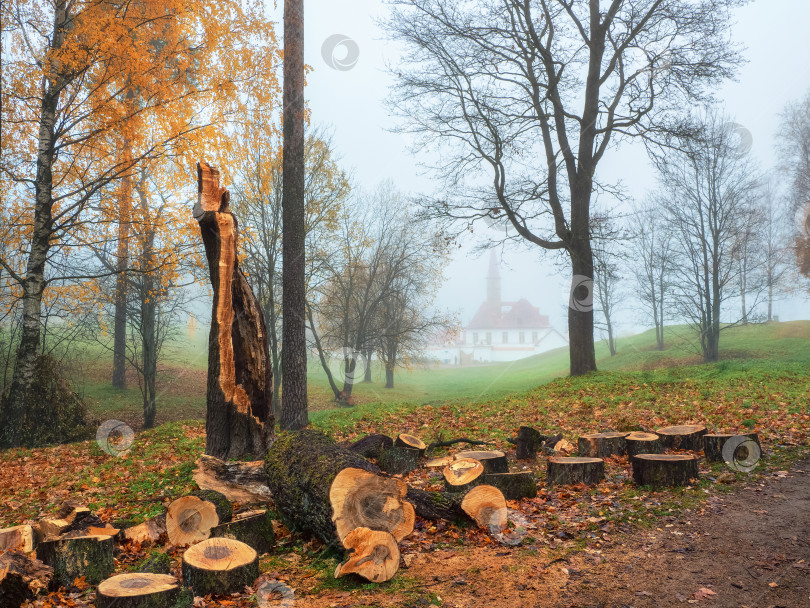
x,y
562,470
87,556
374,555
642,443
436,505
440,462
138,590
371,446
189,520
528,442
361,499
149,531
398,460
461,473
486,506
223,506
513,486
17,538
254,529
409,441
20,578
494,461
242,482
683,437
713,444
661,470
601,445
239,418
219,565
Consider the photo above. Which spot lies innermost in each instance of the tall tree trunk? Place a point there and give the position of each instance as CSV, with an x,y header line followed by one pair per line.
x,y
239,418
389,377
770,299
582,354
324,363
119,379
294,396
367,373
34,283
149,333
659,335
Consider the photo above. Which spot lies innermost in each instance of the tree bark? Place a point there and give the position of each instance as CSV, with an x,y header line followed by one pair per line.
x,y
239,418
582,353
294,362
660,470
565,471
119,374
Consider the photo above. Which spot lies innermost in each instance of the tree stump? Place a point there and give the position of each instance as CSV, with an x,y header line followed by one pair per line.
x,y
189,519
255,529
17,573
461,474
713,444
527,443
138,590
683,437
374,555
564,470
398,460
486,506
642,443
513,486
601,445
494,461
87,556
371,446
662,470
17,538
239,418
409,441
219,565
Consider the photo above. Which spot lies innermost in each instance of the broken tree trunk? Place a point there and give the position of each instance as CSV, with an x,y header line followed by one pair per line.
x,y
487,507
664,469
219,565
494,461
17,573
242,482
528,442
713,444
642,443
371,446
461,474
138,590
513,486
563,470
374,555
683,437
239,418
87,556
601,445
254,528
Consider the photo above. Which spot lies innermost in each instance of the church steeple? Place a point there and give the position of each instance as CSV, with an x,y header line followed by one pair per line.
x,y
493,280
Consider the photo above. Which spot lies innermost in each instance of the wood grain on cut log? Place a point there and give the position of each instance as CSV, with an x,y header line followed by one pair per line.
x,y
713,444
461,473
138,590
528,441
239,419
189,519
661,470
562,470
601,445
242,482
361,499
398,460
513,486
374,555
17,538
21,577
486,506
642,443
494,461
371,446
404,440
219,565
87,556
254,529
682,437
439,462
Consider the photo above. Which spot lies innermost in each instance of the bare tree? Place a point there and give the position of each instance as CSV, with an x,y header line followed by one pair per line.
x,y
775,235
525,97
608,256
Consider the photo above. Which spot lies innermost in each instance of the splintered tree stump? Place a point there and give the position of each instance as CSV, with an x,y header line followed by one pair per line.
x,y
189,519
528,442
239,419
462,473
361,499
513,486
242,482
713,445
371,446
138,590
20,578
374,555
409,441
494,461
219,565
254,529
17,538
87,556
642,443
398,460
562,470
663,470
486,506
683,437
601,445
